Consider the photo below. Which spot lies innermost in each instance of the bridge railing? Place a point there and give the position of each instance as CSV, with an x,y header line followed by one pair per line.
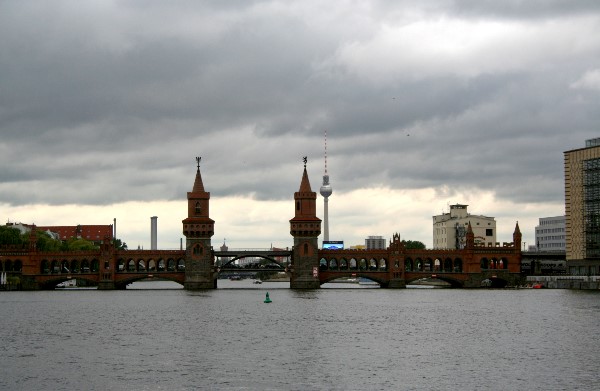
x,y
232,250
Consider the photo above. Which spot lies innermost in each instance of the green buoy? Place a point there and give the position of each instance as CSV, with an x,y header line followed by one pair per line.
x,y
267,299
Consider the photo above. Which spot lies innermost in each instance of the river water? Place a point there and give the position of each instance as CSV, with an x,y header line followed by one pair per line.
x,y
327,339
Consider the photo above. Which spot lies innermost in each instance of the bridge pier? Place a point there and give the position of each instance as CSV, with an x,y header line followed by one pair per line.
x,y
396,283
304,282
106,285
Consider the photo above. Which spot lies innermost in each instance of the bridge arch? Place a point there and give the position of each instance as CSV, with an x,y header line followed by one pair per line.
x,y
353,265
74,266
333,265
322,261
171,265
362,264
44,267
408,264
484,263
323,264
181,265
447,265
428,266
382,281
454,283
343,264
122,283
458,265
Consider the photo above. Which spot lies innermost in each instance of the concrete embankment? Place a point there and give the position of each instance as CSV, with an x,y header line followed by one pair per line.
x,y
567,282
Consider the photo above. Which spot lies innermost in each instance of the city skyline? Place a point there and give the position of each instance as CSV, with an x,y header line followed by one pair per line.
x,y
425,105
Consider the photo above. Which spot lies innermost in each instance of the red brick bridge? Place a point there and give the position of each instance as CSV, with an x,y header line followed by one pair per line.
x,y
307,266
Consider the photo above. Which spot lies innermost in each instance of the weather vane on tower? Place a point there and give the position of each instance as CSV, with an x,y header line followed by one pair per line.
x,y
304,159
198,158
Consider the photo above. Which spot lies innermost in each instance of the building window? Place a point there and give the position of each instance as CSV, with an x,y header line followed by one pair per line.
x,y
489,232
198,209
591,188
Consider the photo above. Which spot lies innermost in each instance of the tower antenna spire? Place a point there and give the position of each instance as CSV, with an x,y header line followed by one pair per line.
x,y
325,151
326,191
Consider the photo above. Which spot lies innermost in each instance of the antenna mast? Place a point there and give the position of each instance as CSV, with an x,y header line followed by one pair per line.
x,y
325,151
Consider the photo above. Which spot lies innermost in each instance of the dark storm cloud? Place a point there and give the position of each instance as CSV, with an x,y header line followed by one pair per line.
x,y
103,103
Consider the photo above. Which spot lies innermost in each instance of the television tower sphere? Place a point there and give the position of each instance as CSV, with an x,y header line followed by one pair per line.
x,y
326,189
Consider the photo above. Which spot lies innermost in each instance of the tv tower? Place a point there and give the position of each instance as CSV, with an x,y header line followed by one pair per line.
x,y
326,191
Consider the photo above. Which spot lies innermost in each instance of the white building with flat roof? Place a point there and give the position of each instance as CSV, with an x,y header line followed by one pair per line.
x,y
550,234
450,229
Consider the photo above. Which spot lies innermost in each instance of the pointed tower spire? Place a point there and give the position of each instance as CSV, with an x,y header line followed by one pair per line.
x,y
470,237
198,185
198,209
517,237
306,210
305,183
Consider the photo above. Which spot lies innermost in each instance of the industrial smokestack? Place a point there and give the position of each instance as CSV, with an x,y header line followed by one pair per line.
x,y
153,233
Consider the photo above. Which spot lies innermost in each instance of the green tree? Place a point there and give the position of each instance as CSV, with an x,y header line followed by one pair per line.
x,y
9,235
74,244
413,244
119,245
44,242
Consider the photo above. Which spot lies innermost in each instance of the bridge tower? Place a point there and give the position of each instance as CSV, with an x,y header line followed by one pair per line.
x,y
198,229
305,227
517,237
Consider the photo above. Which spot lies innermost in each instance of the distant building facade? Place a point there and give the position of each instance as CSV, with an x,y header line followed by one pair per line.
x,y
582,208
93,233
449,229
375,243
550,234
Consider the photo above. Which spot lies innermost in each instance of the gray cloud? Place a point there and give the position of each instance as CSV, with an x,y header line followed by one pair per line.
x,y
105,103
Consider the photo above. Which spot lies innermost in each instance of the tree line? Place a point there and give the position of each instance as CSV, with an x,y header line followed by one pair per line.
x,y
46,243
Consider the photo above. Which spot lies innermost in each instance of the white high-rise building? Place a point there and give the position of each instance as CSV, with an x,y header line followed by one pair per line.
x,y
326,191
450,229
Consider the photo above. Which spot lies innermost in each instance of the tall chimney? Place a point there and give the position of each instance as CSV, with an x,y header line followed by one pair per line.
x,y
153,233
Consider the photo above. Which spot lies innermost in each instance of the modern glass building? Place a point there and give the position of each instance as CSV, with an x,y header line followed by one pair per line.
x,y
582,209
550,234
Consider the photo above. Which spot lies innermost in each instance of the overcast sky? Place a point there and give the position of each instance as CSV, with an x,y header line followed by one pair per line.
x,y
104,106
